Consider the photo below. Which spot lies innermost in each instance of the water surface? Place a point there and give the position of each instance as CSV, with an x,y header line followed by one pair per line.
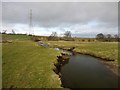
x,y
84,71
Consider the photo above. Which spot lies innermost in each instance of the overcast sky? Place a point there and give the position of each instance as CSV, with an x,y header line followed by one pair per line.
x,y
82,19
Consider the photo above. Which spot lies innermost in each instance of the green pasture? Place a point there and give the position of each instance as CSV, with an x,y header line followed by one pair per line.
x,y
27,65
105,50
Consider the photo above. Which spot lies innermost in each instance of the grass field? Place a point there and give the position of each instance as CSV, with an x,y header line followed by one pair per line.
x,y
27,65
15,37
108,50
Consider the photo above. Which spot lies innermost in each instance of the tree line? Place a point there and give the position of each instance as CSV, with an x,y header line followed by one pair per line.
x,y
67,36
107,37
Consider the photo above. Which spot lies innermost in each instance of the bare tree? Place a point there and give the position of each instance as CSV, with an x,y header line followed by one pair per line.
x,y
53,36
67,34
4,31
13,32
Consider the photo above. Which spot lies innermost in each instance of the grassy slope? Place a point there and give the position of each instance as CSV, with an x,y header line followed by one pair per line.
x,y
102,49
25,64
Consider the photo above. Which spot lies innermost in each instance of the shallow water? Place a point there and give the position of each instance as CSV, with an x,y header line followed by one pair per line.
x,y
84,71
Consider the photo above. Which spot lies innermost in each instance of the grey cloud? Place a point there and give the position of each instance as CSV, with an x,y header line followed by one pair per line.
x,y
62,16
54,14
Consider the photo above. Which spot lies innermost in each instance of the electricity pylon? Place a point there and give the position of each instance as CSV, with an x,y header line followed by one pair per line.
x,y
31,31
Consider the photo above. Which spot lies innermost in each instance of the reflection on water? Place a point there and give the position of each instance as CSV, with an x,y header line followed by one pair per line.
x,y
87,72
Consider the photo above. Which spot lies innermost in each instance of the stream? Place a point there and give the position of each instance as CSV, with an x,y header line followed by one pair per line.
x,y
84,71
